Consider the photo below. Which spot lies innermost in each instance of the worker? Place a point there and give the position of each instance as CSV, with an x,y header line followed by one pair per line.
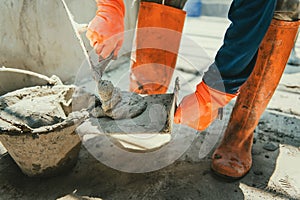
x,y
238,57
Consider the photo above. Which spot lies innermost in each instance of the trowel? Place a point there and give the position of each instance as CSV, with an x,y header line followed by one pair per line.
x,y
99,68
115,103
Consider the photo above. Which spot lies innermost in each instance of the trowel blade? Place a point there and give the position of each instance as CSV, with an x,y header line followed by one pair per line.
x,y
100,66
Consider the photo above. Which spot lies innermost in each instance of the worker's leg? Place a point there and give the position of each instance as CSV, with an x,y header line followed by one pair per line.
x,y
236,58
233,157
233,63
158,37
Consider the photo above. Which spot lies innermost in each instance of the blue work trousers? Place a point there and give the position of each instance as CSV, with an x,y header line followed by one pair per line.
x,y
236,58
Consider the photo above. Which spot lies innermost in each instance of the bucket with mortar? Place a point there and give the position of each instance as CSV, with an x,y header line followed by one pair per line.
x,y
37,127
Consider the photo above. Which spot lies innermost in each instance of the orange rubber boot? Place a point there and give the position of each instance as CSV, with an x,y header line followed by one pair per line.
x,y
198,110
158,36
233,156
105,31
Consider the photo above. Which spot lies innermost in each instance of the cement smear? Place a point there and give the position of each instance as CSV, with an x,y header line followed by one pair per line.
x,y
118,104
36,107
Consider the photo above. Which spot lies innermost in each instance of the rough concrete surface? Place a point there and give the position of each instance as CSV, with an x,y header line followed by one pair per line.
x,y
181,180
36,35
274,174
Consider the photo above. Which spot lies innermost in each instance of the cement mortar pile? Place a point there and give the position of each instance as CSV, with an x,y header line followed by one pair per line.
x,y
36,107
118,104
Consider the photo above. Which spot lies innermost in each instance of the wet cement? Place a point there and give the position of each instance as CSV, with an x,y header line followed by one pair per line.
x,y
154,119
118,104
35,107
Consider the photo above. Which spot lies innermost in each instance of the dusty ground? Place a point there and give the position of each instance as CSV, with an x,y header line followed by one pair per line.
x,y
275,173
182,180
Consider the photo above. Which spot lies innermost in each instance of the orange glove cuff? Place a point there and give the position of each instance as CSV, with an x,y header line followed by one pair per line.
x,y
218,99
116,6
199,109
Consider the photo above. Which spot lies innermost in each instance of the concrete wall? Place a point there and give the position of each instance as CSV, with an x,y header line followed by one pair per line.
x,y
216,8
37,35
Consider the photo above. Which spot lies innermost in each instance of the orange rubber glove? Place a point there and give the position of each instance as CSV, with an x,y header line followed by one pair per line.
x,y
105,31
199,109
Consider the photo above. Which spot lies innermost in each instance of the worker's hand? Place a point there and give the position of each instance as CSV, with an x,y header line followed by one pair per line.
x,y
199,109
105,31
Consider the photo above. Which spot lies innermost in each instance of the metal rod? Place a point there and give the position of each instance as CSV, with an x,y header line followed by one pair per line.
x,y
21,71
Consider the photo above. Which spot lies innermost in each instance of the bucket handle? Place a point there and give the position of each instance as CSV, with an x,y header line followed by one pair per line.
x,y
53,80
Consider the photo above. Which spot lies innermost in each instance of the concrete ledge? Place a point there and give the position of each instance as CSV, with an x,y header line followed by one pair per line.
x,y
215,8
